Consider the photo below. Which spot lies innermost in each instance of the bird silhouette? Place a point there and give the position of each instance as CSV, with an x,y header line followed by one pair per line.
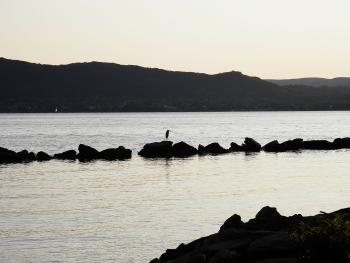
x,y
167,134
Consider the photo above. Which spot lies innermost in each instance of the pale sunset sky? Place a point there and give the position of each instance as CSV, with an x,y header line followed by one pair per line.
x,y
265,38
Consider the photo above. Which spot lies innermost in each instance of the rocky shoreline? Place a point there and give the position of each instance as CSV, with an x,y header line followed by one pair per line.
x,y
167,149
270,238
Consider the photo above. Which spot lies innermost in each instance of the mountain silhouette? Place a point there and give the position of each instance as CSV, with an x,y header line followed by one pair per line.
x,y
108,87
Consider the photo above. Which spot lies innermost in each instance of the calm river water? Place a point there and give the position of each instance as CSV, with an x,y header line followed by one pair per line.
x,y
131,211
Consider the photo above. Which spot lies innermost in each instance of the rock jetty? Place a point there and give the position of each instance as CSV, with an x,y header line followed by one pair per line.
x,y
166,149
85,153
270,238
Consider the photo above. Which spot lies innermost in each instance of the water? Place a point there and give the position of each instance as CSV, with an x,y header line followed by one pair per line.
x,y
131,211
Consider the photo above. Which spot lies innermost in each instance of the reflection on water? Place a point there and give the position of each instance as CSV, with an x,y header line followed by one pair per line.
x,y
131,211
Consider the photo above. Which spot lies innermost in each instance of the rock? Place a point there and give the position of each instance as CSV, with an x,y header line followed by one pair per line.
x,y
32,156
67,155
268,213
43,156
271,246
8,157
267,218
250,145
341,143
7,151
292,145
157,149
120,153
273,146
223,256
25,156
234,147
87,153
182,149
171,254
232,222
212,148
155,260
278,260
239,244
317,145
193,258
201,149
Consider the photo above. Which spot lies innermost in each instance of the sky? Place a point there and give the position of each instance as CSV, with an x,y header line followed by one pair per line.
x,y
264,38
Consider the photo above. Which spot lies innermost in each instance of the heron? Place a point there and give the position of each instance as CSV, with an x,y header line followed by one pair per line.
x,y
167,134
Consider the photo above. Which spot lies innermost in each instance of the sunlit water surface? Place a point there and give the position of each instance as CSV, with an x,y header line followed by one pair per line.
x,y
131,211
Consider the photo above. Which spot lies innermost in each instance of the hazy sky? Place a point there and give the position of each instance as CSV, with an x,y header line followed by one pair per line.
x,y
265,38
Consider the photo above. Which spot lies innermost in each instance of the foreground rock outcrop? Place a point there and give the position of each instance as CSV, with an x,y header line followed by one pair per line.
x,y
270,238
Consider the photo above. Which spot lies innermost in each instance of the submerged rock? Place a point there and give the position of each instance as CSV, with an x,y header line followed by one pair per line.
x,y
157,149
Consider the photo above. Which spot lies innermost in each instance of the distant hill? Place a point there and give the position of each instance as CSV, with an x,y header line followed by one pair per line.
x,y
313,82
107,87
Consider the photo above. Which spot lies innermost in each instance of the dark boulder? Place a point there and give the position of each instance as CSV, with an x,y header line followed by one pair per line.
x,y
201,149
157,149
234,221
279,260
267,218
120,153
4,150
341,143
182,149
32,156
292,145
7,156
212,148
276,245
234,147
25,156
251,145
67,155
87,153
223,256
273,146
43,156
317,145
